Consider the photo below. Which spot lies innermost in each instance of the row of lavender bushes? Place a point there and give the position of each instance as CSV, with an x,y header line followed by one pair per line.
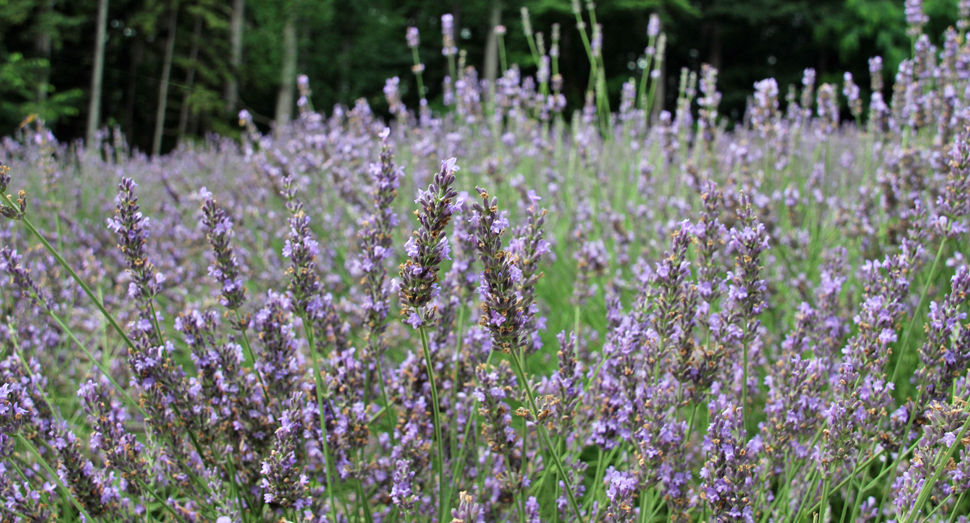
x,y
599,319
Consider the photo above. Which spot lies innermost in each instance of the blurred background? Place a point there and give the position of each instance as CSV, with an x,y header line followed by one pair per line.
x,y
174,70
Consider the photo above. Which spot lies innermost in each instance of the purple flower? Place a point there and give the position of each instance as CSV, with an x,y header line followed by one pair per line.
x,y
501,314
620,490
412,37
730,480
402,494
282,483
419,274
225,268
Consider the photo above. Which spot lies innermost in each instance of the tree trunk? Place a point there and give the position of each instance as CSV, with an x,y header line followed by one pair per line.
x,y
660,95
236,45
190,77
716,45
166,74
661,92
94,105
42,44
491,45
134,60
284,102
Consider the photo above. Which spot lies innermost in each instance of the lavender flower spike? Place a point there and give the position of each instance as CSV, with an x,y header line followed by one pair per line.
x,y
225,268
131,226
374,240
282,483
501,313
428,245
730,472
402,493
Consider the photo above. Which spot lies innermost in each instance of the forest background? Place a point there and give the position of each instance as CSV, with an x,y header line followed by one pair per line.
x,y
174,70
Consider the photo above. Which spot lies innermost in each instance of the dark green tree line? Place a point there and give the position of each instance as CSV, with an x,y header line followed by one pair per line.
x,y
170,70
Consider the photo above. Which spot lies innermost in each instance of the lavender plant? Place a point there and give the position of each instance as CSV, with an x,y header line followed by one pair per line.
x,y
696,324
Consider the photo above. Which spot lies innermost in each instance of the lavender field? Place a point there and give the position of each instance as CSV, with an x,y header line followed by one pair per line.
x,y
504,312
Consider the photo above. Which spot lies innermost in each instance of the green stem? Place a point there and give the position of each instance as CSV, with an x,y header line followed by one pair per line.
x,y
468,424
544,435
417,74
899,359
67,492
956,512
855,506
368,517
826,483
104,371
443,501
63,263
919,306
251,355
938,507
645,76
318,380
927,489
532,47
690,424
160,501
387,405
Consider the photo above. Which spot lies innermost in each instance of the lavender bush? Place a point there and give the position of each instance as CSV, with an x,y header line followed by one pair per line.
x,y
644,317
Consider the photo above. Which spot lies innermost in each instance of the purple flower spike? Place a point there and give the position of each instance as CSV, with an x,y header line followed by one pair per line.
x,y
501,313
730,481
419,274
225,268
282,482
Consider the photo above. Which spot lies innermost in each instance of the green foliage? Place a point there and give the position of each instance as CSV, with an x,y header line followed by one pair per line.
x,y
19,80
348,50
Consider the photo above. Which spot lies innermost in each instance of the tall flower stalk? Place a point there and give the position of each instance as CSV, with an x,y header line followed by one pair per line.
x,y
304,290
426,249
374,238
503,317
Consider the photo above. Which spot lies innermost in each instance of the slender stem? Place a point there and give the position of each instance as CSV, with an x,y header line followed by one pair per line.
x,y
576,319
368,517
533,48
57,479
899,359
927,489
744,386
452,69
318,380
468,424
645,76
251,355
544,435
657,507
855,506
387,405
459,332
159,500
938,506
859,467
63,263
826,483
919,306
956,512
440,442
690,424
104,371
155,325
417,73
598,478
